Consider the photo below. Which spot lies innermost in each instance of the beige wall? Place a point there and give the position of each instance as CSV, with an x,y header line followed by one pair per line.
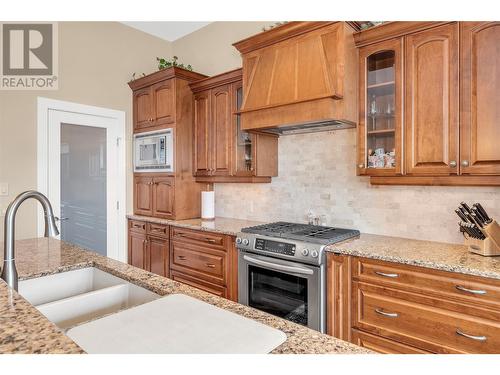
x,y
209,50
317,171
96,60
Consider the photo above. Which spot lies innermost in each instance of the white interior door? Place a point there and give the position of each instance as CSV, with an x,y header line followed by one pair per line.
x,y
85,179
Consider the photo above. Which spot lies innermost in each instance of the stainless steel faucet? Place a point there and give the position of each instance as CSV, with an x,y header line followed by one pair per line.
x,y
9,271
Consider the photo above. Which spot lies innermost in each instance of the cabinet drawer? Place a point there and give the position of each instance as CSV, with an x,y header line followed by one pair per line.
x,y
137,226
210,239
381,345
462,288
399,316
207,264
159,230
198,283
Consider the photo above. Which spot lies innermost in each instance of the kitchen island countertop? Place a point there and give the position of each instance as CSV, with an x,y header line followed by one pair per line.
x,y
24,330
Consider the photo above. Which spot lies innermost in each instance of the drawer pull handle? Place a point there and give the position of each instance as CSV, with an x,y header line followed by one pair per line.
x,y
473,291
387,314
472,337
210,240
391,275
181,257
210,265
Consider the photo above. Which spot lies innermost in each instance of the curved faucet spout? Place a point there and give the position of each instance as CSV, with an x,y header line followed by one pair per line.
x,y
9,271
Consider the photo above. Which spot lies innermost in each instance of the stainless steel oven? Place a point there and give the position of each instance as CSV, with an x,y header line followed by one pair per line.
x,y
291,290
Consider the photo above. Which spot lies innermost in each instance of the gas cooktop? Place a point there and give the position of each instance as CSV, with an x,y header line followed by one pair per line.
x,y
303,232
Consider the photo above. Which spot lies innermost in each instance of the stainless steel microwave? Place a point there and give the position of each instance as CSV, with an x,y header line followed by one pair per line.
x,y
154,151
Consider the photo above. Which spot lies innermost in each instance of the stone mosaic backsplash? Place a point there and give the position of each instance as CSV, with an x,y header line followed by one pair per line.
x,y
317,173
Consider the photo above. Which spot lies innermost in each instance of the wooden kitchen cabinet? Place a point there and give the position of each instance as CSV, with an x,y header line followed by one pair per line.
x,y
396,308
451,100
163,196
338,288
154,106
205,260
148,247
480,98
154,195
143,195
223,152
163,100
143,108
380,126
431,96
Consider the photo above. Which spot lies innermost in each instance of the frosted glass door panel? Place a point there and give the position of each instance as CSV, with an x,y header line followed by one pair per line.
x,y
83,186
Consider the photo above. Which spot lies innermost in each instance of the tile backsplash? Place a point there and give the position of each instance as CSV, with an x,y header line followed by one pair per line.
x,y
317,173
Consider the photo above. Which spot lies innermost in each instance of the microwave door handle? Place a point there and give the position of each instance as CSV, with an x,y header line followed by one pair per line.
x,y
278,267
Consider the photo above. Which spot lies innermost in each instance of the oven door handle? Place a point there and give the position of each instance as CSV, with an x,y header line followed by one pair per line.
x,y
278,267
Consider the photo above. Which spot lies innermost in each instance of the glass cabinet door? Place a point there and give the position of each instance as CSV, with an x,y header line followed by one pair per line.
x,y
244,142
380,118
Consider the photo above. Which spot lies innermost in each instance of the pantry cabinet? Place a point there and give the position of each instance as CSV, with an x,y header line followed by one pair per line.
x,y
163,100
223,152
442,128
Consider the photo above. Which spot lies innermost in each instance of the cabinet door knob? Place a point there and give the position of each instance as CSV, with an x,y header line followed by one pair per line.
x,y
361,165
453,163
465,163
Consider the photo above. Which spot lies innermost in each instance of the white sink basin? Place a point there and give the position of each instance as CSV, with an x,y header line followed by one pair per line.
x,y
176,324
73,297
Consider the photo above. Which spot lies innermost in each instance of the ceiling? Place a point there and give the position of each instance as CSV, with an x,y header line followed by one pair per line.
x,y
167,30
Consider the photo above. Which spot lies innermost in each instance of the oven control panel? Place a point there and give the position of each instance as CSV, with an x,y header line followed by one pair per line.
x,y
275,246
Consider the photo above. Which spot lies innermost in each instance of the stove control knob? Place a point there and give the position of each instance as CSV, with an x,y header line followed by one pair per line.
x,y
305,252
238,240
245,242
314,254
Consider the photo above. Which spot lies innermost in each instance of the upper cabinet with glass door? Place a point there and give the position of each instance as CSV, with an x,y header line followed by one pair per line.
x,y
380,136
246,157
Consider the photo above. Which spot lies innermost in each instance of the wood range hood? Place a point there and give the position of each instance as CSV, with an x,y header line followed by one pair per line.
x,y
300,77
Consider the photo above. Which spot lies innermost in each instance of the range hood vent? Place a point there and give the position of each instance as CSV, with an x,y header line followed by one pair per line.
x,y
311,127
300,77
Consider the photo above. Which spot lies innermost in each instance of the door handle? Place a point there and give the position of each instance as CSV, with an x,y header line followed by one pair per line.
x,y
278,267
61,218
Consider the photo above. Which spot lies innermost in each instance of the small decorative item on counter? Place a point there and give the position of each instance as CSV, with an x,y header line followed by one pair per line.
x,y
166,63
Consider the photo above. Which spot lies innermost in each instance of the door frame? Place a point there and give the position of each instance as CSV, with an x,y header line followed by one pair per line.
x,y
45,106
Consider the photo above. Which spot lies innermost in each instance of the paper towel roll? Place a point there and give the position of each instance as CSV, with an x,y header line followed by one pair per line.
x,y
208,205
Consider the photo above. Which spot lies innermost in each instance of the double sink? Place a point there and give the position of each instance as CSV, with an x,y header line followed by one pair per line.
x,y
103,313
74,297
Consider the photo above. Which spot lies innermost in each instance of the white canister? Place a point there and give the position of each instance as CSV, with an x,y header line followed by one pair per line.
x,y
208,205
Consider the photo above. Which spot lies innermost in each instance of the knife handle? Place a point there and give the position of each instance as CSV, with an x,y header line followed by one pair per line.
x,y
482,211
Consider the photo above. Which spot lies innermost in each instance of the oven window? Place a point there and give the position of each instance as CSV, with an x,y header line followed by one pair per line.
x,y
278,293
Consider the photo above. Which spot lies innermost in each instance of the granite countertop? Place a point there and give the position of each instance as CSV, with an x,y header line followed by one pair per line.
x,y
429,254
219,224
24,330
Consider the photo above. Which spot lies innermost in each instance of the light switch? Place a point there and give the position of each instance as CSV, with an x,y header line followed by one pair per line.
x,y
4,188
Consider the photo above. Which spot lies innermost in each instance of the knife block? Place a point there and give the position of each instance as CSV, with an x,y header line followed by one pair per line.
x,y
488,247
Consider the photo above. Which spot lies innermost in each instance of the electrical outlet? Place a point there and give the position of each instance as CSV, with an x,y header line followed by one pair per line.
x,y
4,189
